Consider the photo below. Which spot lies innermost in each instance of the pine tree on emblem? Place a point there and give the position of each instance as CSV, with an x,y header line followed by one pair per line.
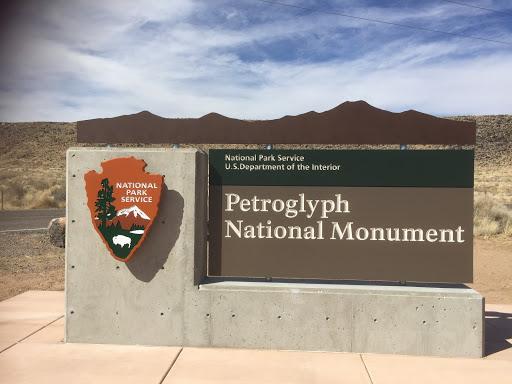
x,y
104,205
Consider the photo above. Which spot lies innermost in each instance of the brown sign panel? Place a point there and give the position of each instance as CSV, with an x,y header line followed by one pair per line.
x,y
396,234
349,123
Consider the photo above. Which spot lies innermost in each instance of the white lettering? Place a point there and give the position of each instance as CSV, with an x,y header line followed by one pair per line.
x,y
459,234
339,203
381,234
275,207
245,205
432,235
341,234
363,230
238,231
413,232
312,208
230,202
443,235
326,210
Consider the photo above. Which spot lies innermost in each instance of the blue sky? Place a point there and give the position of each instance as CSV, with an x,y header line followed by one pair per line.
x,y
65,60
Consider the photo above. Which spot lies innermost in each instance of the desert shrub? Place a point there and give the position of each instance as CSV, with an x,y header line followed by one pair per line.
x,y
39,185
6,175
16,190
59,192
490,218
44,202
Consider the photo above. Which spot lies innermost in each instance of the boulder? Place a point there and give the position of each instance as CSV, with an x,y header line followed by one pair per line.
x,y
57,231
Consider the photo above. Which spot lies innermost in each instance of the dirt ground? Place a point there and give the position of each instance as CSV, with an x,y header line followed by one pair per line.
x,y
29,262
492,274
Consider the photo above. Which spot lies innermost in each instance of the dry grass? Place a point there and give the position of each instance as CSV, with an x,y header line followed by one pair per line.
x,y
495,181
32,188
491,218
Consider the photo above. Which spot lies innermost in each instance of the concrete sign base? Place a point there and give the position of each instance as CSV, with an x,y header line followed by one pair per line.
x,y
404,320
161,296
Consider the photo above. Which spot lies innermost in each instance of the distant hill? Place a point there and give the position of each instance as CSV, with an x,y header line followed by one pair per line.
x,y
493,138
33,157
45,143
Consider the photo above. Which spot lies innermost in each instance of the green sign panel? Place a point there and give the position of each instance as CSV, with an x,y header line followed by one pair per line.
x,y
347,168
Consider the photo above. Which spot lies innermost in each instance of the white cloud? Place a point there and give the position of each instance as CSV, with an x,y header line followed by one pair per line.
x,y
82,60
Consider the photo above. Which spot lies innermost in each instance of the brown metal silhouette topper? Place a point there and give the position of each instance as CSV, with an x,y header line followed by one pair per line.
x,y
349,123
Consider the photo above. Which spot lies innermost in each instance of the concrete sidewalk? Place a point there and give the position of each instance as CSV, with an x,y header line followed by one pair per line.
x,y
32,351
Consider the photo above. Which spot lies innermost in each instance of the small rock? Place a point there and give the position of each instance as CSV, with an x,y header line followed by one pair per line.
x,y
57,231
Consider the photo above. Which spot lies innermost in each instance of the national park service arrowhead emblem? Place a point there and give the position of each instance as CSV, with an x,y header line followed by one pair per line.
x,y
123,201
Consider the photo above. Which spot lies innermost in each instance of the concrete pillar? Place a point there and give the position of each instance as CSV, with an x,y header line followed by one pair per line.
x,y
141,301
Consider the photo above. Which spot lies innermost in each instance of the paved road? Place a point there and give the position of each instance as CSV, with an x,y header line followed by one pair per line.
x,y
28,219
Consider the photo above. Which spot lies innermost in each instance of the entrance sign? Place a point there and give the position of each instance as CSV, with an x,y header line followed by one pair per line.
x,y
316,218
123,201
362,215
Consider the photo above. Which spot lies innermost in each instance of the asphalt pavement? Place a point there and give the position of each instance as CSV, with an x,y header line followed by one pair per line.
x,y
32,219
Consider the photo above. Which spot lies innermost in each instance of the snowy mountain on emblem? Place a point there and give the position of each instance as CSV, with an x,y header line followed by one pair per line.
x,y
135,211
129,217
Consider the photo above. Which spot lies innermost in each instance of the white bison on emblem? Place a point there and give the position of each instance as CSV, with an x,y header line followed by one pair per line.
x,y
122,240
